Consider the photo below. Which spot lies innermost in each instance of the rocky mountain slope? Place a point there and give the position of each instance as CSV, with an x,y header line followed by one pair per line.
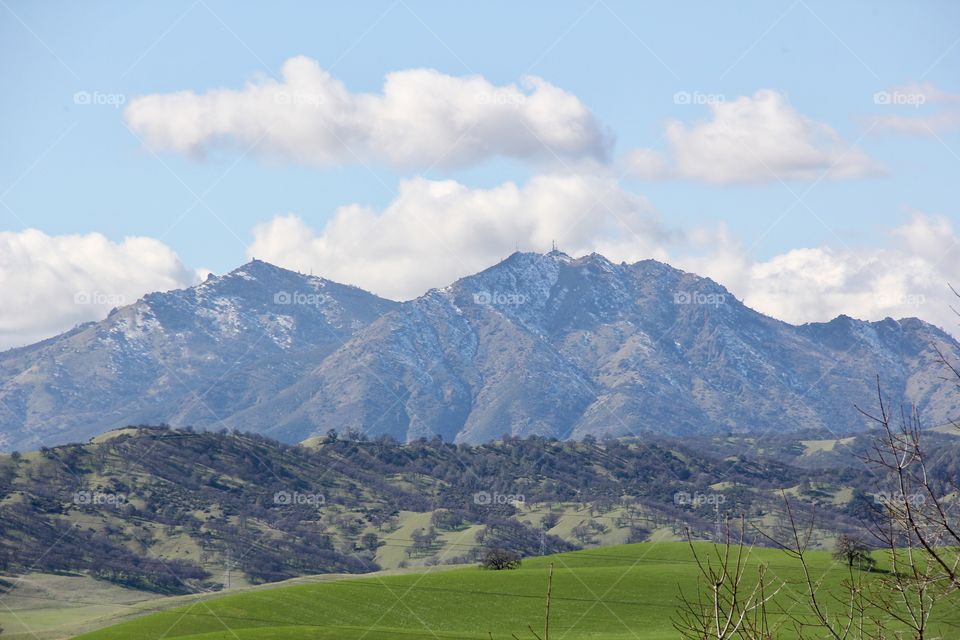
x,y
193,357
536,345
549,345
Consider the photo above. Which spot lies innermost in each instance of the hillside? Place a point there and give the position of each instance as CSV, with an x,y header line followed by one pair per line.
x,y
560,347
618,592
189,357
172,511
544,345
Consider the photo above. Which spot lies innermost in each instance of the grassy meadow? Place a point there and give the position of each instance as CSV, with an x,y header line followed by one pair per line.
x,y
628,591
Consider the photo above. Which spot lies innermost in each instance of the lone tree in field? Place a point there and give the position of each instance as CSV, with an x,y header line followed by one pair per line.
x,y
500,559
854,552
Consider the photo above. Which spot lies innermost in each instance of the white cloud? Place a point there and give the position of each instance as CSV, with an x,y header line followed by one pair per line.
x,y
51,283
753,139
422,118
913,101
645,164
435,232
909,277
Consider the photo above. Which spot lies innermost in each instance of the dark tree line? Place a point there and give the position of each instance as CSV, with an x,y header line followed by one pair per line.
x,y
221,490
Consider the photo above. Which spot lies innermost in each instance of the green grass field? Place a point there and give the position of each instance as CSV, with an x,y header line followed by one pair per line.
x,y
628,591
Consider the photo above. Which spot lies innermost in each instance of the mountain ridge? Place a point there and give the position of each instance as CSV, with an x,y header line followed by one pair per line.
x,y
537,344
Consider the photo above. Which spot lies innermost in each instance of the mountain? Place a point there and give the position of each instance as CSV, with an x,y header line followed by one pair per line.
x,y
535,345
194,356
555,346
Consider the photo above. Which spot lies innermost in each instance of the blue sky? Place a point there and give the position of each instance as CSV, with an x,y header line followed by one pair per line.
x,y
70,168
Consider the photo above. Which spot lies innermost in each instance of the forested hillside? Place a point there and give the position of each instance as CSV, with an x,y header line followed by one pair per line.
x,y
175,511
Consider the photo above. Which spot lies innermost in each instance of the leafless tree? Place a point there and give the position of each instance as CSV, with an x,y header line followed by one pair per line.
x,y
916,525
727,604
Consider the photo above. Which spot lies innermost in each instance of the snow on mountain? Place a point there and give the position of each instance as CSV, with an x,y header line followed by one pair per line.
x,y
537,344
191,356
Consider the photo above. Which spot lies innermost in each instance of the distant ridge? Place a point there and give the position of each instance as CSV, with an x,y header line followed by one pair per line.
x,y
541,344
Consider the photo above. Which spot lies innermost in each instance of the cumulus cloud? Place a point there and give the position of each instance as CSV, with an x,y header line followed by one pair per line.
x,y
421,118
437,231
51,283
753,139
914,103
908,277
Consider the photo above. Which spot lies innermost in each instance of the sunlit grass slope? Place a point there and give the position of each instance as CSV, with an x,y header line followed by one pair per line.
x,y
627,591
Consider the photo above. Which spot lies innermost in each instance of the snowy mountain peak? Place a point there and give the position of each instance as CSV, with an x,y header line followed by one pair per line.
x,y
540,343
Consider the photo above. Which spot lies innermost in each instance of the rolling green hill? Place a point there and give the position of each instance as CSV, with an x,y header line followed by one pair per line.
x,y
627,591
199,511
